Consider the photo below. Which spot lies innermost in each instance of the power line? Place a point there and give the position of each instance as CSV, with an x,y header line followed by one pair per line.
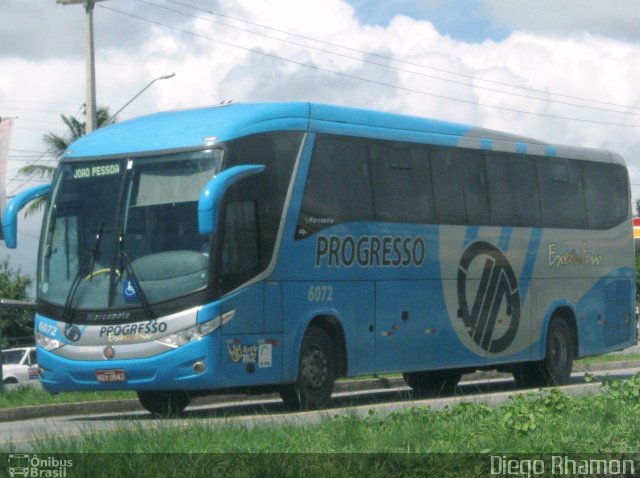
x,y
32,120
391,58
27,151
28,159
39,102
33,110
382,65
364,60
39,129
359,78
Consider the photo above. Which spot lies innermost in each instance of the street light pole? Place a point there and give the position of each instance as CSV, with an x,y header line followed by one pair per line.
x,y
91,111
113,116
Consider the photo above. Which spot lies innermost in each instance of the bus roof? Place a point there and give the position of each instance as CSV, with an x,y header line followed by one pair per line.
x,y
199,128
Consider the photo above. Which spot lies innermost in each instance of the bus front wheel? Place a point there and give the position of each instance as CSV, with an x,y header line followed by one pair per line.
x,y
316,373
555,368
433,383
164,403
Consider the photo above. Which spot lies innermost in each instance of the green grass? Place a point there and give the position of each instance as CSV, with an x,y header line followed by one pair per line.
x,y
608,358
414,442
27,395
607,422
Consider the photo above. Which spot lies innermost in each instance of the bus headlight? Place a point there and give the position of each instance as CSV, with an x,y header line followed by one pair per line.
x,y
47,343
189,335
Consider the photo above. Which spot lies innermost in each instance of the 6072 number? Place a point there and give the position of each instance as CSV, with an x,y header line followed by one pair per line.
x,y
320,293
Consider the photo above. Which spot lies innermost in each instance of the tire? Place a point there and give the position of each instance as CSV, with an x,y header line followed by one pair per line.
x,y
164,403
555,368
10,381
433,383
316,373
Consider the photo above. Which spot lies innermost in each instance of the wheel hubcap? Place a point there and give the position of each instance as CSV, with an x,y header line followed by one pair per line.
x,y
315,368
558,353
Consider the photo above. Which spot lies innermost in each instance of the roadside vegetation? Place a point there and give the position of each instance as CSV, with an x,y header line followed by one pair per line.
x,y
28,395
608,358
455,441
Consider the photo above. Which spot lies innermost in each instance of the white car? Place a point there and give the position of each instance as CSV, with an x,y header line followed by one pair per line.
x,y
19,365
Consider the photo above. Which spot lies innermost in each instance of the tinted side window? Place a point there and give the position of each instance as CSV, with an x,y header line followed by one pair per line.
x,y
353,179
500,182
253,207
606,194
561,193
526,196
401,180
447,188
513,190
476,197
338,188
460,186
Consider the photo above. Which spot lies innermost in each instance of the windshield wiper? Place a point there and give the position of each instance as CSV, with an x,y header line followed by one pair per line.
x,y
96,250
135,281
89,255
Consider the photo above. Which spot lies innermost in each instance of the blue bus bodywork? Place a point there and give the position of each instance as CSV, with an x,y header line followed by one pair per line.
x,y
391,296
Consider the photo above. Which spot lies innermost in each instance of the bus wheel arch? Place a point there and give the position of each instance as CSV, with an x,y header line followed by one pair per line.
x,y
567,314
321,359
333,328
561,348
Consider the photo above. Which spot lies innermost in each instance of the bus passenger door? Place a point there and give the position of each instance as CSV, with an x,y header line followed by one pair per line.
x,y
404,332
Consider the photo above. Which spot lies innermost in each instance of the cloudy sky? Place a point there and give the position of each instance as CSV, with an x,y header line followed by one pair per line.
x,y
560,71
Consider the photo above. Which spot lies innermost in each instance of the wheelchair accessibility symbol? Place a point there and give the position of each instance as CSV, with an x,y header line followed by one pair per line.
x,y
493,315
129,290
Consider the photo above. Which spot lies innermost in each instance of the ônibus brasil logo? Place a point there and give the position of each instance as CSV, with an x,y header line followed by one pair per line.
x,y
497,286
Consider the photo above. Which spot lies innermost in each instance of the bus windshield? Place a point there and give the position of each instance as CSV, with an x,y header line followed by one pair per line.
x,y
124,233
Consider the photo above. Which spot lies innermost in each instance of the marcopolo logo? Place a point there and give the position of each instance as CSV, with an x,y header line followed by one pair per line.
x,y
497,291
72,332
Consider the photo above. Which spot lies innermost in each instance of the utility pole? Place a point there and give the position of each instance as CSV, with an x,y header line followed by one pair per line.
x,y
91,114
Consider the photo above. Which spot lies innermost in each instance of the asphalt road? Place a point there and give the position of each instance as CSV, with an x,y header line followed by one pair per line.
x,y
21,434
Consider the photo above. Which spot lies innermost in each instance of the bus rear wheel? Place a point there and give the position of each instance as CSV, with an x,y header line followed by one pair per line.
x,y
433,383
316,373
165,403
555,368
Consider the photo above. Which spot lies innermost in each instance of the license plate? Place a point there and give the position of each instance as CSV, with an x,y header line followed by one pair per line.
x,y
110,376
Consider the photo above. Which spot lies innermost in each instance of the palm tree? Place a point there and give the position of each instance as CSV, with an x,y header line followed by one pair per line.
x,y
56,146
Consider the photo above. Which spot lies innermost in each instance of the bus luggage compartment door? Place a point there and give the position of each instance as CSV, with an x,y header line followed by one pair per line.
x,y
618,312
404,333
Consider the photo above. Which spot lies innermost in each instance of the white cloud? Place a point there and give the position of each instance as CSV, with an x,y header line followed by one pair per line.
x,y
617,19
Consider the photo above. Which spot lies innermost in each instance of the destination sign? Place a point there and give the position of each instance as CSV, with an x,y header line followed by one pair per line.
x,y
96,171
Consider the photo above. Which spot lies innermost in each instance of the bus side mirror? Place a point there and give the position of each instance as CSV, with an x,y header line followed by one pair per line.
x,y
213,192
10,216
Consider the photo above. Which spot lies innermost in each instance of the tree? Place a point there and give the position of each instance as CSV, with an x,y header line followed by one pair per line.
x,y
56,146
14,285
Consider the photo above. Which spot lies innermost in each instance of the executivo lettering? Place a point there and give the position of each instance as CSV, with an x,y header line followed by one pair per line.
x,y
586,257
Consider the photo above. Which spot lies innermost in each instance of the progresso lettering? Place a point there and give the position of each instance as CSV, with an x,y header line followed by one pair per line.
x,y
370,251
133,329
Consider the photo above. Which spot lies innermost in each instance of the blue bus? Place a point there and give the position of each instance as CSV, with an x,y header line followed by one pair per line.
x,y
278,247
